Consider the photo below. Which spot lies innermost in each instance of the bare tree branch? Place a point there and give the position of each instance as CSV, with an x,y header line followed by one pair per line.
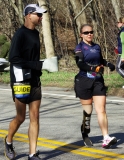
x,y
82,10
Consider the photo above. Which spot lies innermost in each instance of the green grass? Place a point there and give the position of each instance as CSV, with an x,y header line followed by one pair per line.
x,y
5,77
55,79
66,79
114,80
58,79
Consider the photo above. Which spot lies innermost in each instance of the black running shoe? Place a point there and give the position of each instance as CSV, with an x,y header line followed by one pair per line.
x,y
9,150
34,157
87,140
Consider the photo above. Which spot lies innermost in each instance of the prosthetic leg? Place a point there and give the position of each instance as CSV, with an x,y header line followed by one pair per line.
x,y
85,129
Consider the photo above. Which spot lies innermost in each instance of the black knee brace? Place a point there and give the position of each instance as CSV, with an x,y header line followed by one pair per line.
x,y
85,127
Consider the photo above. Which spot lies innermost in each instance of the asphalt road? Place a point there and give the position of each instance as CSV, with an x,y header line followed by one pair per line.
x,y
60,120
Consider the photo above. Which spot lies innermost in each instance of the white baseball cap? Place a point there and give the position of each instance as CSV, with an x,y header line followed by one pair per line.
x,y
33,8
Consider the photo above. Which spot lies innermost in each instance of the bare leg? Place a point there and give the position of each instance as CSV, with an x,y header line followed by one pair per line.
x,y
18,120
34,125
99,102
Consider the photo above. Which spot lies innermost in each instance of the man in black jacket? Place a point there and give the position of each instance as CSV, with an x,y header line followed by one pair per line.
x,y
25,72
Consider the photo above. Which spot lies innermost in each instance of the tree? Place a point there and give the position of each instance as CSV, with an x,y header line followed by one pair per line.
x,y
79,19
117,8
18,10
47,31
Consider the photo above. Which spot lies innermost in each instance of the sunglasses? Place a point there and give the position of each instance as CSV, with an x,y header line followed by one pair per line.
x,y
87,32
38,14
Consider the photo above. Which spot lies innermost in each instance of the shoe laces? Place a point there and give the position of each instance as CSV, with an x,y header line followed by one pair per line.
x,y
36,154
11,148
106,141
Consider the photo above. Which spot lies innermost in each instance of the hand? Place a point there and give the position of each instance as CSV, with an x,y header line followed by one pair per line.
x,y
111,66
98,69
116,50
122,60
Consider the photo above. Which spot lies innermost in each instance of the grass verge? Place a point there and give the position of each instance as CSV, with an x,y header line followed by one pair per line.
x,y
65,79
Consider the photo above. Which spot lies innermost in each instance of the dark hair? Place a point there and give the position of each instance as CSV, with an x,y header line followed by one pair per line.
x,y
84,25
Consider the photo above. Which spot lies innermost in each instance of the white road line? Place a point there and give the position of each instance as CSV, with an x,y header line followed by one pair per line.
x,y
65,95
5,89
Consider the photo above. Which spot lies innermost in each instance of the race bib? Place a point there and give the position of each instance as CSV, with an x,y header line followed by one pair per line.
x,y
21,90
93,75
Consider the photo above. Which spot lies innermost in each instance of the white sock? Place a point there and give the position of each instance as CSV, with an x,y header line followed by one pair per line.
x,y
106,136
31,155
9,143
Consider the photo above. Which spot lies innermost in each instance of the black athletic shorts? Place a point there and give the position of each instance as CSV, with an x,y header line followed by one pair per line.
x,y
86,87
35,93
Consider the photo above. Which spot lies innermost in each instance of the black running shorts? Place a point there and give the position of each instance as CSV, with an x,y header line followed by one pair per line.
x,y
35,94
86,87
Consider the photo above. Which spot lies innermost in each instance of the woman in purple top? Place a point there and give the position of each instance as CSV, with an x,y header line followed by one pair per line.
x,y
89,85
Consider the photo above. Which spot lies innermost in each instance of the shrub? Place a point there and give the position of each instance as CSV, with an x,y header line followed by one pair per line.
x,y
4,50
3,39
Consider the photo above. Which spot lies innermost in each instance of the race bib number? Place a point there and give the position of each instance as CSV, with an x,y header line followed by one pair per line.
x,y
21,90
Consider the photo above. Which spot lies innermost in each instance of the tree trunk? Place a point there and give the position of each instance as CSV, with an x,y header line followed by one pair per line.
x,y
47,32
116,6
18,10
93,18
71,14
77,7
21,20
